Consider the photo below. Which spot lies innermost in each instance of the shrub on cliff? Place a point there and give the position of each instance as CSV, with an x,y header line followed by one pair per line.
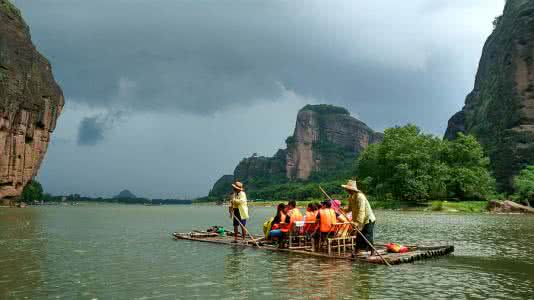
x,y
414,166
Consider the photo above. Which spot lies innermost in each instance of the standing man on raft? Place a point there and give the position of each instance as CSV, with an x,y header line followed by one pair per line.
x,y
362,215
238,209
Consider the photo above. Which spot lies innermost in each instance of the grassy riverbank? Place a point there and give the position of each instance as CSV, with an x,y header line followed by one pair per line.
x,y
443,206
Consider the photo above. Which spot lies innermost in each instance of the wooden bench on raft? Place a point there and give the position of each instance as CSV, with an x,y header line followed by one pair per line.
x,y
339,241
297,239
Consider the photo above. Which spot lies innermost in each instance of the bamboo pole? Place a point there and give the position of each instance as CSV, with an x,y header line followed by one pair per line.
x,y
356,228
246,230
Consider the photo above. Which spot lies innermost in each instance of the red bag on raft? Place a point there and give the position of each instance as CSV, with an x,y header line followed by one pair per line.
x,y
396,248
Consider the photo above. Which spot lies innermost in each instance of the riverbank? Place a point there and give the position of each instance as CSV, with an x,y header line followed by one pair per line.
x,y
438,206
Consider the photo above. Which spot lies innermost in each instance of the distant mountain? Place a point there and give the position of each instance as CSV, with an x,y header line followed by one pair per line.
x,y
500,109
325,143
125,194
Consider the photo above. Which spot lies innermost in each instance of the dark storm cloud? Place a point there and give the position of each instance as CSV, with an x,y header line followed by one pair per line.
x,y
90,132
206,56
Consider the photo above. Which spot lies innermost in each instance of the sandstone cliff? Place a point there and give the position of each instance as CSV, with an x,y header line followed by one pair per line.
x,y
326,140
500,109
323,137
30,103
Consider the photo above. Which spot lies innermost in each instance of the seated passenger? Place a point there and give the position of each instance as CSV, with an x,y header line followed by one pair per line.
x,y
294,215
280,218
310,219
326,217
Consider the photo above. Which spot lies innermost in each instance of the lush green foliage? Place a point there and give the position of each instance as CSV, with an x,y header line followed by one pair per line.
x,y
411,166
10,9
296,190
524,184
32,191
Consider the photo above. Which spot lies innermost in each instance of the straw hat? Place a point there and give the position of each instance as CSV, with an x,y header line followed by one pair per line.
x,y
351,185
238,186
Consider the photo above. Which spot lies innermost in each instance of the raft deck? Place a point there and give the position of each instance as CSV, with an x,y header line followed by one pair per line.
x,y
415,252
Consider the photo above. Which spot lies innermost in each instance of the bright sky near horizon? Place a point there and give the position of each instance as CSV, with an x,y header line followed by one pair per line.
x,y
163,97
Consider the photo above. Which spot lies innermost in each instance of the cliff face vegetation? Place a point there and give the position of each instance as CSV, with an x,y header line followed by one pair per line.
x,y
30,103
325,142
500,109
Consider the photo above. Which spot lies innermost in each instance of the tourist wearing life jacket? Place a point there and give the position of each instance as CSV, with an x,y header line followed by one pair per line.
x,y
362,215
310,219
238,209
294,215
280,218
326,217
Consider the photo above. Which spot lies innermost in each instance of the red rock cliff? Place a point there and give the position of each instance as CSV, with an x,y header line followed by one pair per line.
x,y
321,134
30,103
326,140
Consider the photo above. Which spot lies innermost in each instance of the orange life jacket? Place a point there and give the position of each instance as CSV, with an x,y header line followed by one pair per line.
x,y
294,215
328,219
311,216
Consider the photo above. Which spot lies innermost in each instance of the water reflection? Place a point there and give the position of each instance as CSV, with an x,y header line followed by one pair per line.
x,y
317,278
234,269
21,253
124,252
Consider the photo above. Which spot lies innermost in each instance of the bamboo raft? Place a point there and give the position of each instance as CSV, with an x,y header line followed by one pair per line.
x,y
415,252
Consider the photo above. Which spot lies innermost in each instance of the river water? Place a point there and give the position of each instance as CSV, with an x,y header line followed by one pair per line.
x,y
125,252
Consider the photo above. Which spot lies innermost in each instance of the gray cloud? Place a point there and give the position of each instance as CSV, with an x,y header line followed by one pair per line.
x,y
91,130
204,57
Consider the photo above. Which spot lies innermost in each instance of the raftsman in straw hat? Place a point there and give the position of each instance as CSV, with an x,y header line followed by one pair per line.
x,y
351,185
238,186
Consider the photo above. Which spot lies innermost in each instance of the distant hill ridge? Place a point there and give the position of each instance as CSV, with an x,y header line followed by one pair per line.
x,y
125,194
326,140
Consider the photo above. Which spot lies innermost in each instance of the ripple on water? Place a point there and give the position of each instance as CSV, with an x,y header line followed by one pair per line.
x,y
123,252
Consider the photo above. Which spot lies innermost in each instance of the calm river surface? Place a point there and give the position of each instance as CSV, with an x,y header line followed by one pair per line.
x,y
125,252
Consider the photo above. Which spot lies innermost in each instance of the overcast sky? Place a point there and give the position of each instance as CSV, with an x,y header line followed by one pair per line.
x,y
165,96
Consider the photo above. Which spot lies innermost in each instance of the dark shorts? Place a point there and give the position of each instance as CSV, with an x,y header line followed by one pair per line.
x,y
368,231
238,216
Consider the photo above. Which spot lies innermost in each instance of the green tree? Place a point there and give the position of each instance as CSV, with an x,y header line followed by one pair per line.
x,y
524,183
413,166
32,191
468,168
403,164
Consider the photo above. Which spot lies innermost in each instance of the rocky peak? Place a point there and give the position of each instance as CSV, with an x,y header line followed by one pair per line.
x,y
325,138
30,103
318,130
500,109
